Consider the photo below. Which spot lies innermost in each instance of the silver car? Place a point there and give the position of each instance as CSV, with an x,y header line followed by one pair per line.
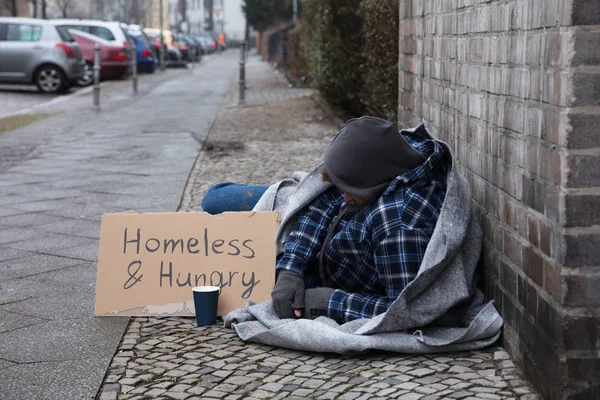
x,y
36,51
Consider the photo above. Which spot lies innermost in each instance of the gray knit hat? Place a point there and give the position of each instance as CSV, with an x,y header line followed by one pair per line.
x,y
367,155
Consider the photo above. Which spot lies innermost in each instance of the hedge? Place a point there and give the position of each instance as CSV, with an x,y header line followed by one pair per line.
x,y
379,95
351,50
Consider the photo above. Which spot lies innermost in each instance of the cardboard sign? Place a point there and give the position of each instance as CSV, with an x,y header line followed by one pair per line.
x,y
148,263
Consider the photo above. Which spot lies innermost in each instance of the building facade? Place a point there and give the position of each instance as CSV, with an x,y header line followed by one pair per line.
x,y
195,16
14,8
232,21
153,14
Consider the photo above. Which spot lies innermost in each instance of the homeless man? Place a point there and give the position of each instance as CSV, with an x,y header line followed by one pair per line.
x,y
356,245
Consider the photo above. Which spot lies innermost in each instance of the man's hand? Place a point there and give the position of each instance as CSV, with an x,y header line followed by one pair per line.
x,y
288,294
317,301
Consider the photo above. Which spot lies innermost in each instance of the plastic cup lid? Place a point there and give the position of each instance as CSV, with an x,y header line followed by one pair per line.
x,y
206,289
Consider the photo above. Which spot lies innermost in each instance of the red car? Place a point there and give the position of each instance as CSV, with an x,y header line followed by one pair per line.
x,y
114,59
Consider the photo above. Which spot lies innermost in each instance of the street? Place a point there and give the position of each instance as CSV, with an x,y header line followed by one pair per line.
x,y
58,177
20,97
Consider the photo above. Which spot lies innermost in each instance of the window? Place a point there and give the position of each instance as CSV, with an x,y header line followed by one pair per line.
x,y
79,28
102,32
23,32
64,34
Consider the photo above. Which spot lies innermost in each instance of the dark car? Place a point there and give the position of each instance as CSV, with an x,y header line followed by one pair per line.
x,y
172,54
215,36
208,44
187,46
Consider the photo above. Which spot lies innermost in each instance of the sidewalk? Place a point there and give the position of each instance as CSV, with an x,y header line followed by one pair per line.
x,y
63,173
278,131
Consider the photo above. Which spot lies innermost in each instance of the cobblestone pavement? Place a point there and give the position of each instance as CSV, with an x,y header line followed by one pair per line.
x,y
173,358
278,131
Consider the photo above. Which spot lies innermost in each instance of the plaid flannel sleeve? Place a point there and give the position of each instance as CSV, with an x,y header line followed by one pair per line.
x,y
306,239
397,259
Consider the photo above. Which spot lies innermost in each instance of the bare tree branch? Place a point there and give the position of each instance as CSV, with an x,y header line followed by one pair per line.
x,y
34,3
64,6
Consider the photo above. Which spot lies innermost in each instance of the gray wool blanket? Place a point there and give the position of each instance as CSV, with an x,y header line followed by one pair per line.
x,y
441,310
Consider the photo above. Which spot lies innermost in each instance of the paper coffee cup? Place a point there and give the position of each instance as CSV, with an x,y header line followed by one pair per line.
x,y
206,300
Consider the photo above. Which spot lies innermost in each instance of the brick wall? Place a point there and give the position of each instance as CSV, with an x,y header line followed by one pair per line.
x,y
514,87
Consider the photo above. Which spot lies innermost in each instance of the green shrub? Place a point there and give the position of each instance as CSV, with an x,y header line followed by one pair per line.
x,y
298,67
350,48
332,44
379,70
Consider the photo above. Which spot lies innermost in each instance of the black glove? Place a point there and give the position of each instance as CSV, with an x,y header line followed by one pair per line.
x,y
288,294
316,302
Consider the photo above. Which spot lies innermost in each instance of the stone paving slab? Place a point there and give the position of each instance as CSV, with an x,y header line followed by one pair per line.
x,y
54,187
33,264
10,321
7,254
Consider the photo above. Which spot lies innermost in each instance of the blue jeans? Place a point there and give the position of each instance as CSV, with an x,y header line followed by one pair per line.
x,y
228,196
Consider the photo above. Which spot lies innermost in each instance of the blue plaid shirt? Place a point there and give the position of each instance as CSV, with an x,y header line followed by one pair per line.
x,y
375,252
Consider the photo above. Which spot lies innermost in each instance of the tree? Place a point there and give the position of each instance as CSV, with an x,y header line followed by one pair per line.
x,y
64,6
34,4
210,24
260,14
129,11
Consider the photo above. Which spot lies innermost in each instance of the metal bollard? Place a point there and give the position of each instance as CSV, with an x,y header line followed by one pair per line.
x,y
193,55
161,54
242,99
134,74
97,76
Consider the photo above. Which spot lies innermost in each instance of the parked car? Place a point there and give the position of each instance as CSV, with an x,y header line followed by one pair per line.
x,y
215,36
155,33
198,46
208,44
35,51
114,61
172,53
182,45
186,45
146,61
109,31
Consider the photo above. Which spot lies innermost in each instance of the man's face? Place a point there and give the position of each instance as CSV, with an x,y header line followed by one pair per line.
x,y
348,198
